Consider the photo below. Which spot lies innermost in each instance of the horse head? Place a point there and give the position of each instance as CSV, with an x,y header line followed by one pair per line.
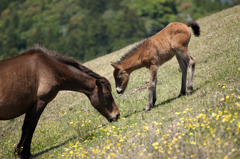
x,y
101,98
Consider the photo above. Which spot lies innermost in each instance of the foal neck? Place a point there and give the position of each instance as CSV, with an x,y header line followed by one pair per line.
x,y
132,63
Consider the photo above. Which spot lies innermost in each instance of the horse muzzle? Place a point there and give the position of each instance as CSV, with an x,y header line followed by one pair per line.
x,y
113,119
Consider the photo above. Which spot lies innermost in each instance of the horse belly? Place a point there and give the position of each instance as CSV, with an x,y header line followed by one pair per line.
x,y
17,107
16,99
165,56
12,111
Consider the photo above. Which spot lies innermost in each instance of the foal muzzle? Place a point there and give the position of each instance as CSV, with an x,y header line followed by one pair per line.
x,y
119,90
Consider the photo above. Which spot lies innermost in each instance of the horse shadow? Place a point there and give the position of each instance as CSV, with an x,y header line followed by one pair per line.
x,y
54,147
126,116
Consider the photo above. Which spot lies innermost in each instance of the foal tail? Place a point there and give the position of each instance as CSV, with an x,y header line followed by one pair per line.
x,y
195,27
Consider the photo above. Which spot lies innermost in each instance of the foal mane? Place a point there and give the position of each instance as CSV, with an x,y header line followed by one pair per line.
x,y
70,61
131,51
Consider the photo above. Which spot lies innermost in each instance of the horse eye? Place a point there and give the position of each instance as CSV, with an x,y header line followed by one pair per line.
x,y
108,95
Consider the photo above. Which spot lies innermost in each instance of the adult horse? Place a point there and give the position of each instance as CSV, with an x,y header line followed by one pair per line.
x,y
29,81
153,52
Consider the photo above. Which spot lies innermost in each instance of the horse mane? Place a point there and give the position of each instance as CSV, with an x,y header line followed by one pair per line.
x,y
131,51
55,55
70,61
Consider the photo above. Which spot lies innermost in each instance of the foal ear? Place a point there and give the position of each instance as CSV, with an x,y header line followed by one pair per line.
x,y
114,65
98,83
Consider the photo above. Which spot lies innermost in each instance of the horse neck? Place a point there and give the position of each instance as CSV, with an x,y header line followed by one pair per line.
x,y
75,80
132,62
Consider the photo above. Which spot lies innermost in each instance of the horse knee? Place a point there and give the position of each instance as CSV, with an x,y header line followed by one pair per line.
x,y
151,87
192,62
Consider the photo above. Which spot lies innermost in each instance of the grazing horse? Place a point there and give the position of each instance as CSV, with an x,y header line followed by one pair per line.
x,y
29,81
153,52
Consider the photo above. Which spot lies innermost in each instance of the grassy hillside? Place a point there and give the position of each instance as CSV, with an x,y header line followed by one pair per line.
x,y
204,125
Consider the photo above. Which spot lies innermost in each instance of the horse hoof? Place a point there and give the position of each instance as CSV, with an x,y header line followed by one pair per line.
x,y
22,155
181,94
28,156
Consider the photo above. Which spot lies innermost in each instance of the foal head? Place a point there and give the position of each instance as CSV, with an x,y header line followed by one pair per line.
x,y
102,99
121,78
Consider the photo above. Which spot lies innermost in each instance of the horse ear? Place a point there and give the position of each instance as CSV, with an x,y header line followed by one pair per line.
x,y
114,65
98,83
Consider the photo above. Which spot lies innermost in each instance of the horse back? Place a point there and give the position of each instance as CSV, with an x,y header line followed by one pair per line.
x,y
175,35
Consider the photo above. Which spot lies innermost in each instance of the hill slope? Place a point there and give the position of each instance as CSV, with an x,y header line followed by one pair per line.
x,y
204,125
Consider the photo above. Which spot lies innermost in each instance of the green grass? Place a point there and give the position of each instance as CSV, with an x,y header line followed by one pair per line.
x,y
203,125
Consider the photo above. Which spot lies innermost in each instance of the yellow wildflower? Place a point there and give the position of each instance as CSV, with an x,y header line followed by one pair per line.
x,y
214,114
155,144
227,97
222,99
113,155
238,124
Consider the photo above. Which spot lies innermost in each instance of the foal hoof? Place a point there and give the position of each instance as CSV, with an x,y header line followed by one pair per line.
x,y
189,93
147,110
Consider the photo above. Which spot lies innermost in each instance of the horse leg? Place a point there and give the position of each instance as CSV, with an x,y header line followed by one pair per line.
x,y
152,87
154,92
185,61
29,126
24,132
183,65
190,76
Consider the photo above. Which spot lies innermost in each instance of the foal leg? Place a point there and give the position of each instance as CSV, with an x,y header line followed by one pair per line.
x,y
185,61
152,87
192,63
183,65
29,126
154,92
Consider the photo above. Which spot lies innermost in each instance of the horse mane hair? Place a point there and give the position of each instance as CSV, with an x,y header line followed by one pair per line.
x,y
70,61
131,51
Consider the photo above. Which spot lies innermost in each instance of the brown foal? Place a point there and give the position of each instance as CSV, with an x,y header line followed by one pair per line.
x,y
155,51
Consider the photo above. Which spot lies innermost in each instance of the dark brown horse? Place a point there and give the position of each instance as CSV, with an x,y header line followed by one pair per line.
x,y
155,51
29,81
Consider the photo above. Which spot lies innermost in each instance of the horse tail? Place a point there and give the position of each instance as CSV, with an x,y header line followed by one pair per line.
x,y
195,27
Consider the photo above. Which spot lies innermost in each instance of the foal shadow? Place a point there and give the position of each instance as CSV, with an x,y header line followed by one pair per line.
x,y
167,101
162,103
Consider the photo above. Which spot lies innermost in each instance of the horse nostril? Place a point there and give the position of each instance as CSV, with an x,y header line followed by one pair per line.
x,y
117,117
111,119
118,92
